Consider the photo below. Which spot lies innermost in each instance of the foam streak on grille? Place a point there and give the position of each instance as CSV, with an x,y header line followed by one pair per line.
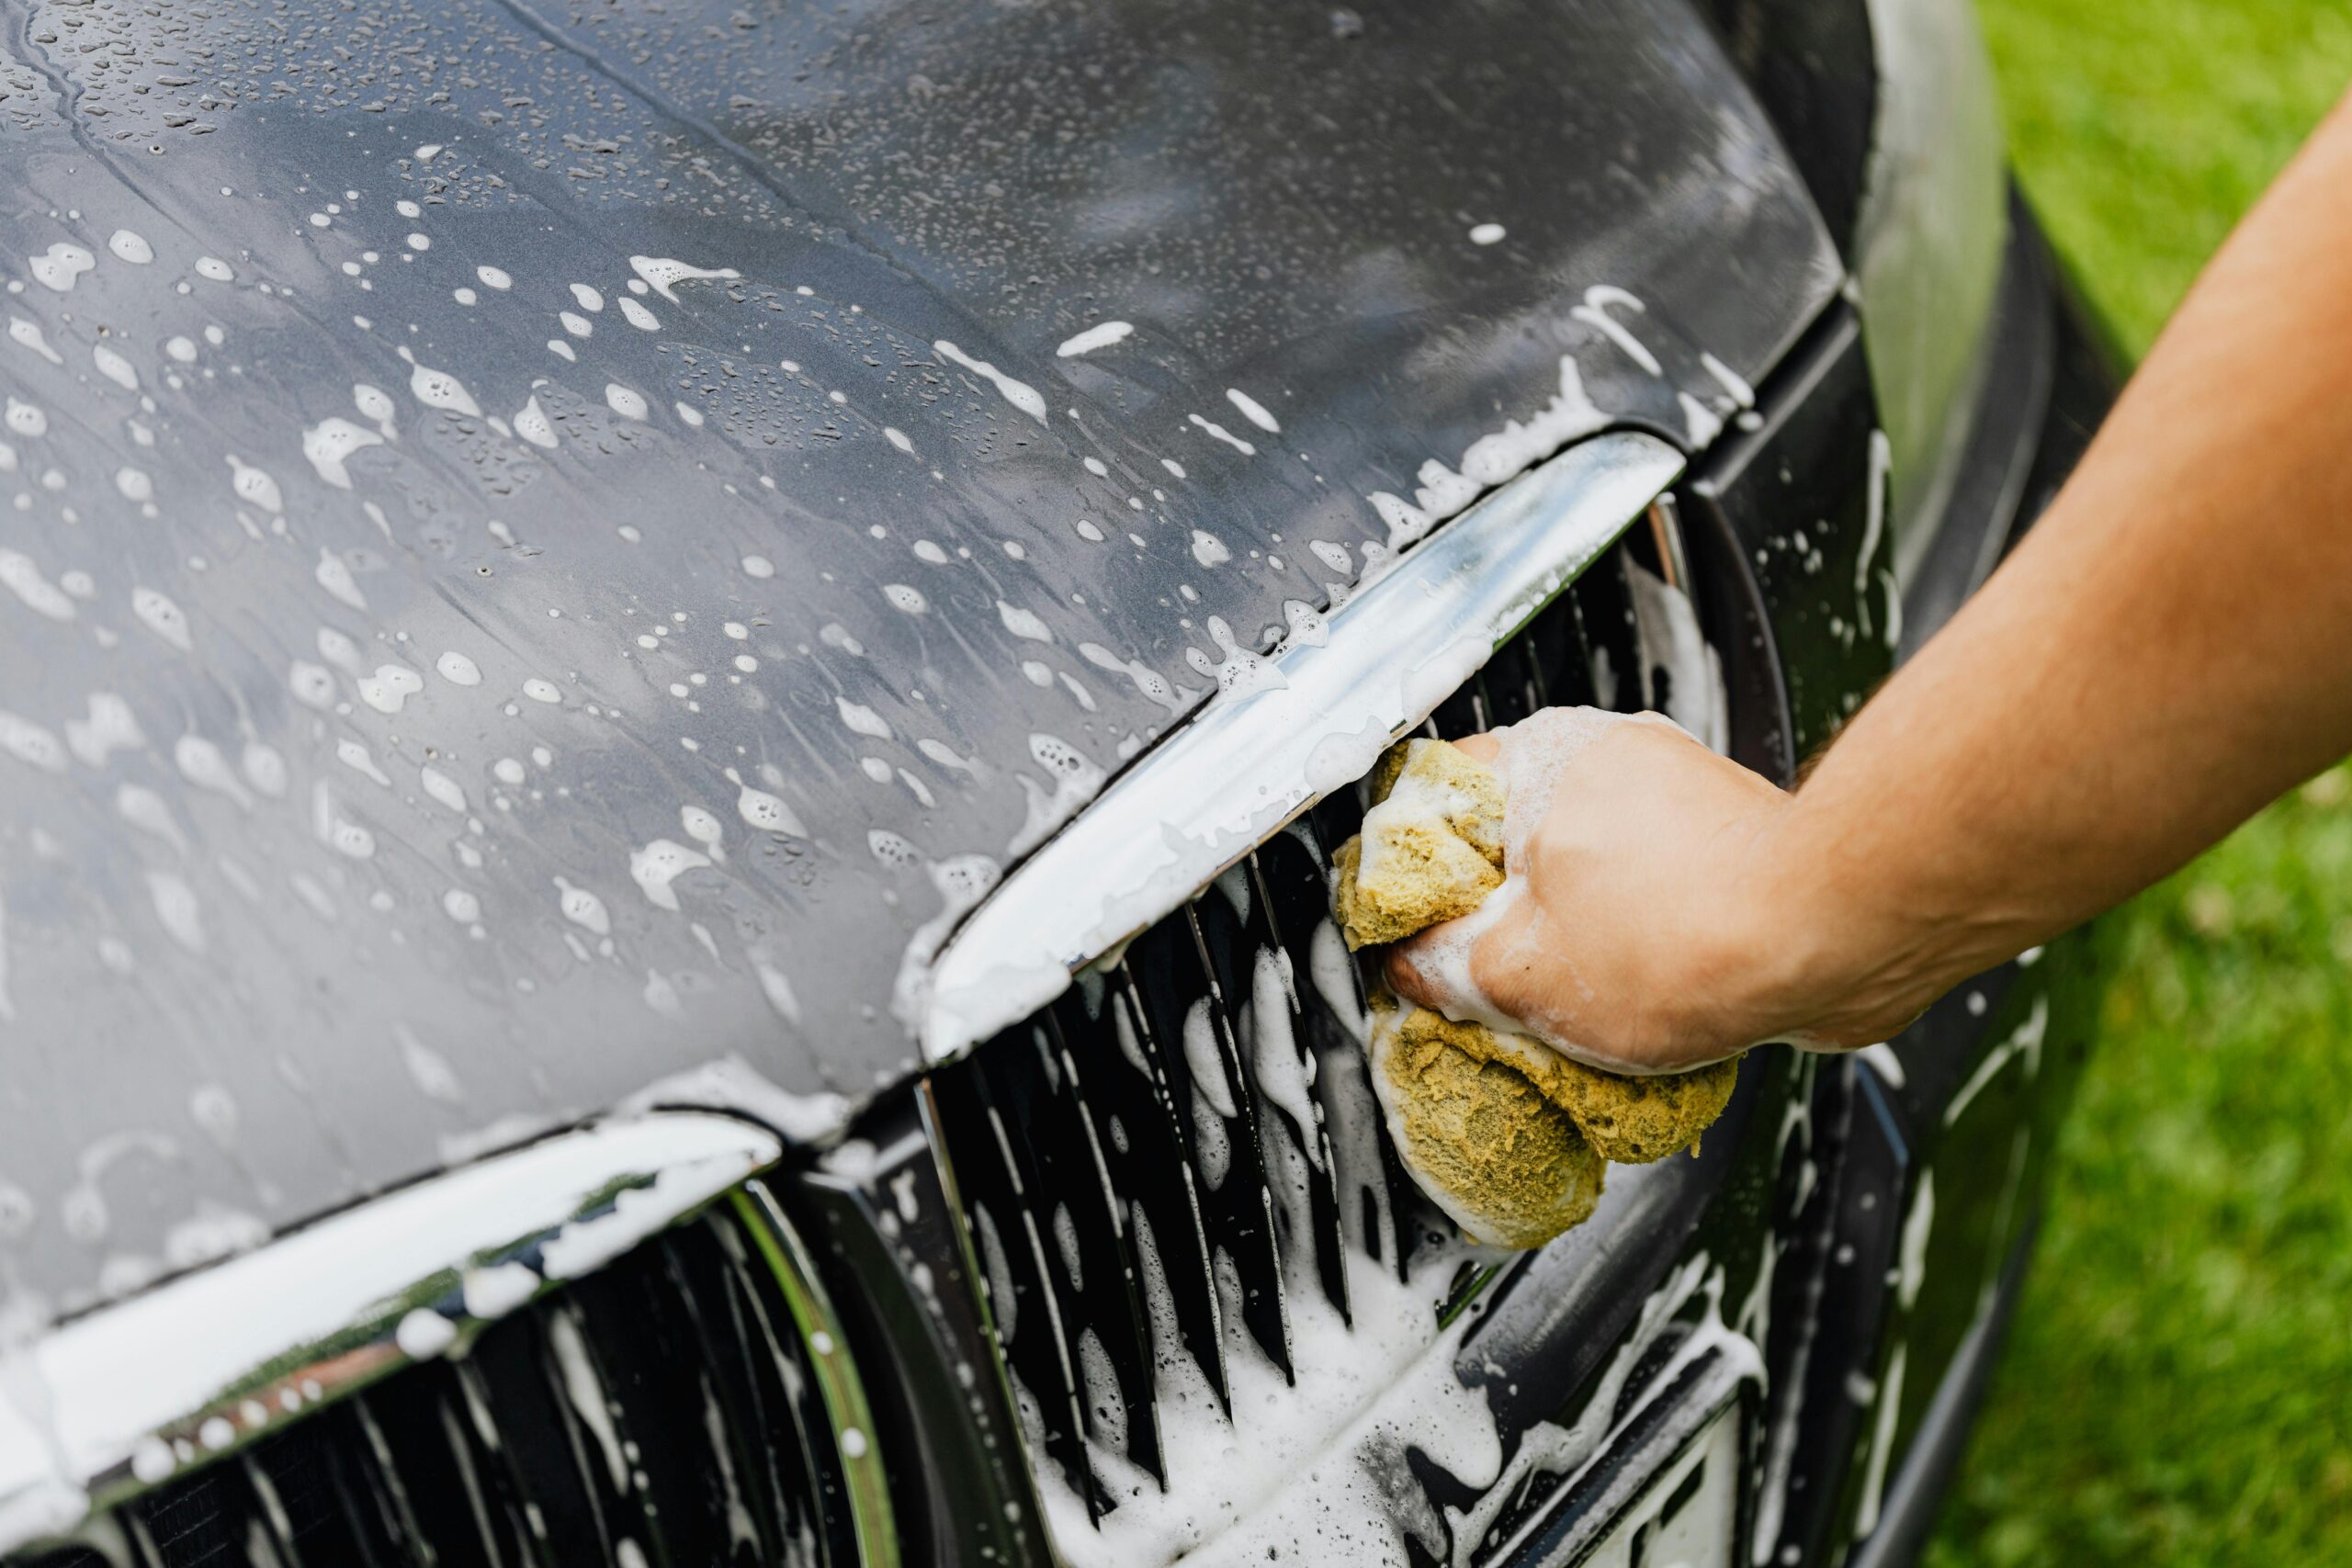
x,y
1191,1131
659,1414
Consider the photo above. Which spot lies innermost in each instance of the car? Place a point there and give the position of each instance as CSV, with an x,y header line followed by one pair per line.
x,y
679,680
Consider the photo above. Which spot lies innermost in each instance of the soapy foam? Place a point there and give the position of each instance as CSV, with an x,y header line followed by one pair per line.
x,y
1252,410
1695,1284
1019,394
1093,338
1285,1475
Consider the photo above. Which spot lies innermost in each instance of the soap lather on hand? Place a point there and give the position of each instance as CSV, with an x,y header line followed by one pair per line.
x,y
1504,1134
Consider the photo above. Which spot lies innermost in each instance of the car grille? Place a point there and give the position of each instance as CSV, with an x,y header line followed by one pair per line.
x,y
659,1414
1191,1130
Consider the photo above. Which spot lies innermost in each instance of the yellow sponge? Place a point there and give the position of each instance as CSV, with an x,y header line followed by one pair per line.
x,y
1505,1161
1628,1120
1432,846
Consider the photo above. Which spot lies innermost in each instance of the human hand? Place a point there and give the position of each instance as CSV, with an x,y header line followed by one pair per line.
x,y
1646,925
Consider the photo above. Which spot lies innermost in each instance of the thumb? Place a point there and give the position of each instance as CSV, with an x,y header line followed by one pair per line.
x,y
1403,973
1434,967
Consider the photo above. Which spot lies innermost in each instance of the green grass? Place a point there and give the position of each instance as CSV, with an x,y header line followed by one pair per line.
x,y
2144,128
2178,1388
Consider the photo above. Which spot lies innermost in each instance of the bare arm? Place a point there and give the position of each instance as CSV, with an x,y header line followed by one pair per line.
x,y
2168,649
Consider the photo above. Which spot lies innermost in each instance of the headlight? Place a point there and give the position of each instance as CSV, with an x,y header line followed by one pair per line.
x,y
1933,227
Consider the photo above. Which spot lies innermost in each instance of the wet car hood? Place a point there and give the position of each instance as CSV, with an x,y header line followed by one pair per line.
x,y
552,548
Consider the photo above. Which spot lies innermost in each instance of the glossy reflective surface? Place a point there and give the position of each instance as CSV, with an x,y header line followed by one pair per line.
x,y
536,530
1284,731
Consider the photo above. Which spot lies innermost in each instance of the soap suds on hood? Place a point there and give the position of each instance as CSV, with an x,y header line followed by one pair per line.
x,y
1093,338
1491,460
1019,394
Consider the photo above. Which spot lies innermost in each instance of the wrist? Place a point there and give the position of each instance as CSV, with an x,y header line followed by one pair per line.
x,y
1801,945
1846,945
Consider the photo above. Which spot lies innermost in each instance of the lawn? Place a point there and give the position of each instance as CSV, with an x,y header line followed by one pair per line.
x,y
2178,1385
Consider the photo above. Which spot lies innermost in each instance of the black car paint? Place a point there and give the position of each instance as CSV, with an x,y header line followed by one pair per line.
x,y
1276,205
1992,1068
1811,66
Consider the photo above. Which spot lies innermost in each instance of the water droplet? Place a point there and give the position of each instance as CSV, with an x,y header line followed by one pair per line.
x,y
439,389
159,614
658,864
389,688
584,909
768,814
60,266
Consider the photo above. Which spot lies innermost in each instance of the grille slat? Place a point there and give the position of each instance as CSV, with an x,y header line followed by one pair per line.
x,y
514,1374
1146,1154
1461,714
1509,690
499,1515
1369,1190
276,1529
1295,1146
752,1432
1230,924
1563,650
793,1438
1103,1315
584,1394
1026,1291
1388,1218
331,1514
1182,1012
394,1505
651,1362
1605,598
445,1507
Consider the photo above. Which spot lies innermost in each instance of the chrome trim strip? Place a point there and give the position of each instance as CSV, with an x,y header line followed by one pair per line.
x,y
108,1405
1306,721
865,1483
1929,246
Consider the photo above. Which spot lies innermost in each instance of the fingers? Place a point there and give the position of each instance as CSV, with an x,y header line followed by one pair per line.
x,y
1442,968
1481,748
1408,978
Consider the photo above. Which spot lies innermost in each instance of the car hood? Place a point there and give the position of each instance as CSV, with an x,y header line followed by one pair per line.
x,y
552,551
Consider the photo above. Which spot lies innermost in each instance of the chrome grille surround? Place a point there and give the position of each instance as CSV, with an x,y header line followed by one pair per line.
x,y
602,1345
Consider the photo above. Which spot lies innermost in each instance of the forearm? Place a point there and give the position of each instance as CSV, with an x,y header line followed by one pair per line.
x,y
2168,649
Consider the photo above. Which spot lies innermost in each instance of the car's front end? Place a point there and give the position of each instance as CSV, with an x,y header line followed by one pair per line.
x,y
701,933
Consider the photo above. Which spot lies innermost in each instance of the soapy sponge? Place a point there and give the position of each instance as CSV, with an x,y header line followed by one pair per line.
x,y
1503,1159
1628,1120
1431,845
1506,1134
